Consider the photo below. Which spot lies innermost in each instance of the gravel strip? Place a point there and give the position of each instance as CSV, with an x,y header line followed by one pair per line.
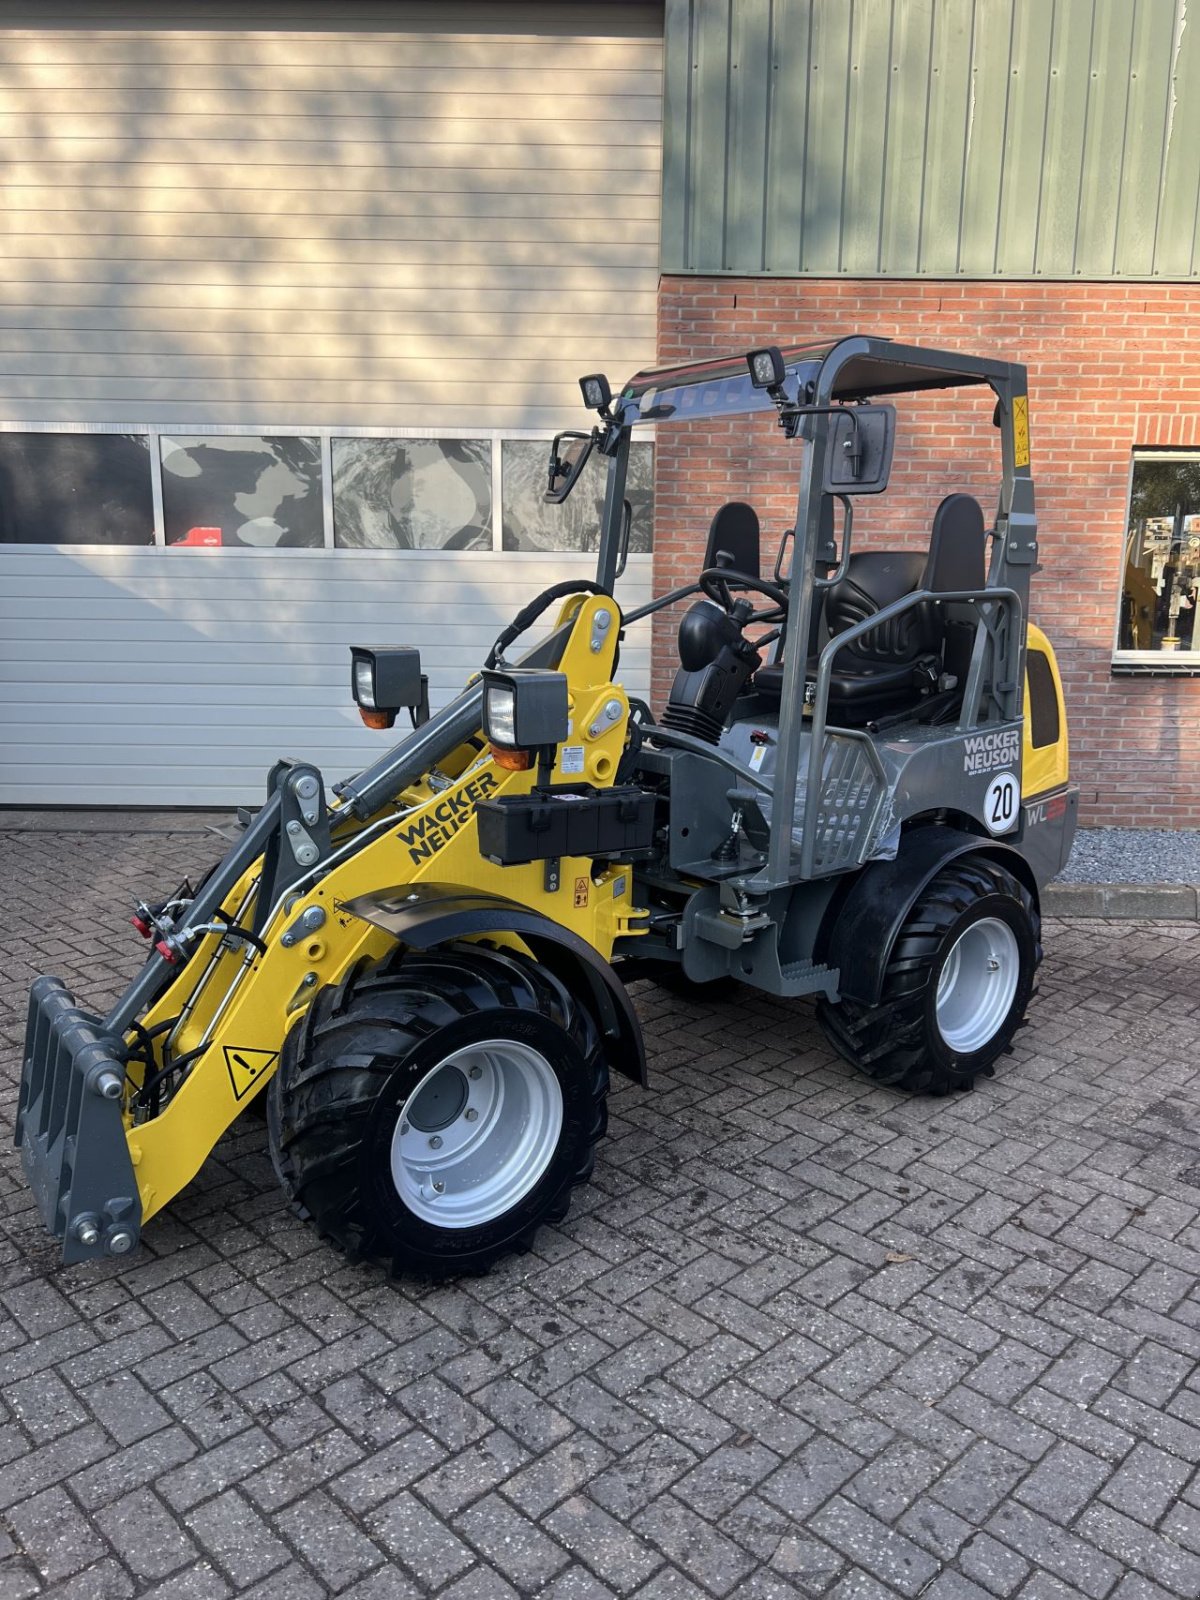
x,y
1134,855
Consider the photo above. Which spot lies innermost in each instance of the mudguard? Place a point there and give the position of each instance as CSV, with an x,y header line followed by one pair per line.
x,y
861,926
424,915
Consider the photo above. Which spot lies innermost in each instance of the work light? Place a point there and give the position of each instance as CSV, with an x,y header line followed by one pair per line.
x,y
386,679
767,370
596,391
525,709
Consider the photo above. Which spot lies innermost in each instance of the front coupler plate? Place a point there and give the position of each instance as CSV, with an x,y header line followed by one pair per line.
x,y
70,1130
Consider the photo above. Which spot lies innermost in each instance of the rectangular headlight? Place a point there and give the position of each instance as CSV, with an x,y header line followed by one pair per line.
x,y
364,682
500,715
525,708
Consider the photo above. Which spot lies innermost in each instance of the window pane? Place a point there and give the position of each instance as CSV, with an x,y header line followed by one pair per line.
x,y
75,488
1043,700
242,489
412,494
1162,557
531,524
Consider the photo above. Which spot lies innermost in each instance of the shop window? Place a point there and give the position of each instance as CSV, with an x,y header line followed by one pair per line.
x,y
412,494
1161,577
530,524
242,489
75,488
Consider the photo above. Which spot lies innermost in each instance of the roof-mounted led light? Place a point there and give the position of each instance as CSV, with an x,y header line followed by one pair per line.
x,y
596,391
767,370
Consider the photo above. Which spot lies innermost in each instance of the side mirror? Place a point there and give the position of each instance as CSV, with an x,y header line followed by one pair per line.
x,y
568,456
858,458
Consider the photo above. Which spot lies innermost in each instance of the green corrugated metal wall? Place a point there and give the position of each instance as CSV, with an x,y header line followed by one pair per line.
x,y
933,138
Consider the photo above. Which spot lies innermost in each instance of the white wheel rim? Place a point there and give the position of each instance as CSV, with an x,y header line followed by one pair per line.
x,y
977,985
476,1134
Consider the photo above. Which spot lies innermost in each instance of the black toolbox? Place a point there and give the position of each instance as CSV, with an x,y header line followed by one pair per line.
x,y
572,819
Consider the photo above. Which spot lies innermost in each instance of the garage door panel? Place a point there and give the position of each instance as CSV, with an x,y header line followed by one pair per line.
x,y
287,218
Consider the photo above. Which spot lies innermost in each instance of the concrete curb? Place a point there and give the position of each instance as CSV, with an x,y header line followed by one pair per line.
x,y
1147,902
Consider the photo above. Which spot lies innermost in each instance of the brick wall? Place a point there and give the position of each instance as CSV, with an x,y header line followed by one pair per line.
x,y
1111,367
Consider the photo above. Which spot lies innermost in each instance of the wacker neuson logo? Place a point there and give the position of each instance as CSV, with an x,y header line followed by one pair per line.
x,y
986,751
441,822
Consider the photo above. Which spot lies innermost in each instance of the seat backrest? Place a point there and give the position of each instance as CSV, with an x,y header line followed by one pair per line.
x,y
956,546
734,534
873,579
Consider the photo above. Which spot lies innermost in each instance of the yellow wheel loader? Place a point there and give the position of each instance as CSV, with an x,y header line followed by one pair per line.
x,y
855,791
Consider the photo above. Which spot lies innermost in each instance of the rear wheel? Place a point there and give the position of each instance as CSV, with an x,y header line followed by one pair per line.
x,y
433,1110
957,982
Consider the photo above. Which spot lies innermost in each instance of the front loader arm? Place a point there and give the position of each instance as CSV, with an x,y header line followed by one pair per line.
x,y
201,1028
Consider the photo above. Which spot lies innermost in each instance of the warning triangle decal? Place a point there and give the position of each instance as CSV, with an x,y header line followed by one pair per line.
x,y
247,1068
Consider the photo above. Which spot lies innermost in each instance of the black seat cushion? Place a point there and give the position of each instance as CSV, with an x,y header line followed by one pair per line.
x,y
880,671
873,580
956,546
874,673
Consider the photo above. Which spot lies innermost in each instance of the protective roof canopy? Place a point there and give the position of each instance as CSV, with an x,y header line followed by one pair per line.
x,y
861,368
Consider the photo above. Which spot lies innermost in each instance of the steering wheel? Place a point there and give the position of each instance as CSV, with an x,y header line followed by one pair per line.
x,y
719,582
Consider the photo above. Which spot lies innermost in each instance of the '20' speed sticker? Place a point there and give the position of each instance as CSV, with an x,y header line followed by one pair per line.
x,y
1001,803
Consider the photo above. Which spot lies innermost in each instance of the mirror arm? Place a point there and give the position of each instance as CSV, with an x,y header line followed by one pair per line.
x,y
789,421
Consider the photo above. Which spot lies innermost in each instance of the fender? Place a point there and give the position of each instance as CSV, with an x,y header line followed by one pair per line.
x,y
426,915
861,926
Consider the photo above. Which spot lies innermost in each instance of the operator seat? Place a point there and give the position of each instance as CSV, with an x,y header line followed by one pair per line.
x,y
895,665
733,539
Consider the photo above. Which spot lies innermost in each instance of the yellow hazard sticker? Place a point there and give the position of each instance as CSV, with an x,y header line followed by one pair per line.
x,y
1021,430
247,1068
581,892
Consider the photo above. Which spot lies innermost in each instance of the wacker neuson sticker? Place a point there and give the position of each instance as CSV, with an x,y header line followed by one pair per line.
x,y
986,751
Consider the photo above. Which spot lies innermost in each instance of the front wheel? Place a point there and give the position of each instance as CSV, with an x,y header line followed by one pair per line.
x,y
956,986
433,1110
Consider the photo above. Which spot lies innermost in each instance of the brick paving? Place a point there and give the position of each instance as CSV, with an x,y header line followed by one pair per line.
x,y
801,1336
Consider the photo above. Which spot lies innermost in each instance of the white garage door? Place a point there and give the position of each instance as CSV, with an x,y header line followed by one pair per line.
x,y
291,299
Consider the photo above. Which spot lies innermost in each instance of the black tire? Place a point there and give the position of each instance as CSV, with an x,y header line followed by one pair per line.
x,y
349,1070
900,1042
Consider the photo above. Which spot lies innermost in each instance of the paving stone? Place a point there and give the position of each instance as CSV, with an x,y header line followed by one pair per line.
x,y
558,1473
217,1469
1155,1557
145,1536
717,1484
1146,1484
1063,1482
613,1552
52,1532
693,1544
980,1480
885,1553
511,1542
896,1477
1073,1560
999,1569
472,1472
237,1537
814,1473
198,1582
420,1540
